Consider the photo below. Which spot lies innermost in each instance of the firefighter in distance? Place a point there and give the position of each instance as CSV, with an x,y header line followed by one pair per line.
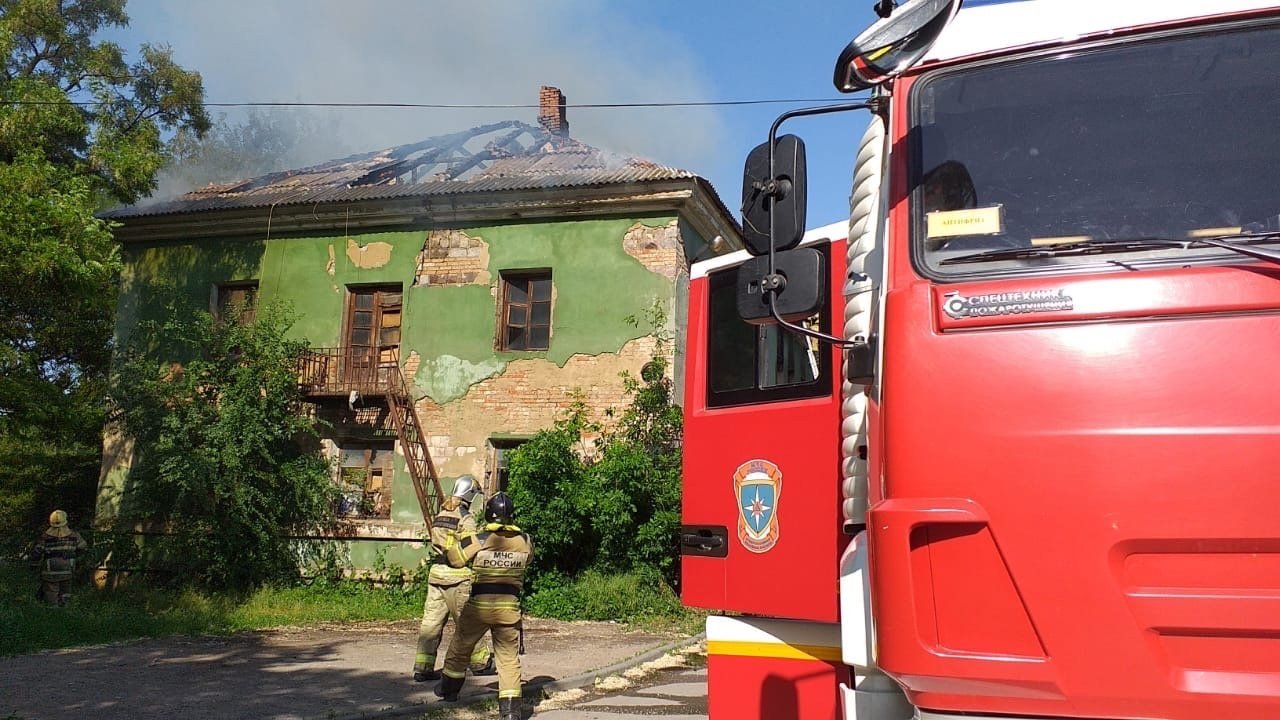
x,y
499,556
56,550
448,587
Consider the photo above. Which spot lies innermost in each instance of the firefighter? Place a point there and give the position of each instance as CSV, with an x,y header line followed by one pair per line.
x,y
448,587
56,550
499,557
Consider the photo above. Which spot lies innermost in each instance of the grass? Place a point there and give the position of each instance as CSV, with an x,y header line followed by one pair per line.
x,y
95,616
642,599
99,616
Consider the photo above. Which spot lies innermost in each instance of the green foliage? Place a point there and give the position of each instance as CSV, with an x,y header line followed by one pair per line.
x,y
548,486
628,597
80,127
615,511
137,611
227,464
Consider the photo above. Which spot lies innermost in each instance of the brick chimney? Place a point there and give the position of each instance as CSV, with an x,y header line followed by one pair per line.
x,y
551,111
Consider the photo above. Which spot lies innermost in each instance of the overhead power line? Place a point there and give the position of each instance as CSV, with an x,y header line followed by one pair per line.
x,y
465,106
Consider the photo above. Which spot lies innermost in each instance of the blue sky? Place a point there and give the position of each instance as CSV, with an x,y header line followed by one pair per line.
x,y
499,51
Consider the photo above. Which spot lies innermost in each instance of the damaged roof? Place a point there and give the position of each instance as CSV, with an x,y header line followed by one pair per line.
x,y
509,155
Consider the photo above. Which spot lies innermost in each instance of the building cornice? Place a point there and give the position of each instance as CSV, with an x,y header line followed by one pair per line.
x,y
690,198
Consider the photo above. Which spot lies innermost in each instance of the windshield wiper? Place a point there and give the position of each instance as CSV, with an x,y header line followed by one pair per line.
x,y
1238,242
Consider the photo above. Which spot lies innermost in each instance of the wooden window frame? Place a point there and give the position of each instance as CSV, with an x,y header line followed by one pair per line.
x,y
370,507
506,304
375,365
218,305
495,477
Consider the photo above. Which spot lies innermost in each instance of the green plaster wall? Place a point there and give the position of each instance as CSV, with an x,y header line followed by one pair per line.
x,y
157,274
451,328
363,554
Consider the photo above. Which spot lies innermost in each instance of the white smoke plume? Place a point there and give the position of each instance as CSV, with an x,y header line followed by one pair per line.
x,y
421,51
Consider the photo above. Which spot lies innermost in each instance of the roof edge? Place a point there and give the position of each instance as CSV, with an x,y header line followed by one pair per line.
x,y
692,197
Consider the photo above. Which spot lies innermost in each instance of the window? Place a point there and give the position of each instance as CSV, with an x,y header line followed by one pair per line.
x,y
499,457
525,322
236,302
364,474
373,333
761,363
1048,163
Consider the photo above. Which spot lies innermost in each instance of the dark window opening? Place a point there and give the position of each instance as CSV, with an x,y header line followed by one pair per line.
x,y
500,450
236,302
365,469
525,320
761,363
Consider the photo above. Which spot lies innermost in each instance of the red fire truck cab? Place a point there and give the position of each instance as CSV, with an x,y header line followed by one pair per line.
x,y
1014,450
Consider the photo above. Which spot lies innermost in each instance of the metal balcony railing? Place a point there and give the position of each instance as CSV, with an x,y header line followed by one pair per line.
x,y
339,371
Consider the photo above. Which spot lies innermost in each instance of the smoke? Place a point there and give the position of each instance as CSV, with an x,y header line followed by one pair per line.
x,y
482,51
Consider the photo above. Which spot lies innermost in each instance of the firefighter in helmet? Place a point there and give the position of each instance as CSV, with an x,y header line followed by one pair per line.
x,y
56,550
499,556
448,587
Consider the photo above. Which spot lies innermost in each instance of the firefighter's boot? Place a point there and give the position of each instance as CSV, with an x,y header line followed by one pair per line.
x,y
486,669
425,675
508,709
449,688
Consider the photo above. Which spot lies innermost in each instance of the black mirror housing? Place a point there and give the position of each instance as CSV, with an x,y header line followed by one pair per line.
x,y
778,198
805,270
893,44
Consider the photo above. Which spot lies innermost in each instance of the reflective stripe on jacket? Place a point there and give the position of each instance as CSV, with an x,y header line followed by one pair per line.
x,y
58,555
445,529
499,559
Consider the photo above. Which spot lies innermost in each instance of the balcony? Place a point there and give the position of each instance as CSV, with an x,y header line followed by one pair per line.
x,y
337,372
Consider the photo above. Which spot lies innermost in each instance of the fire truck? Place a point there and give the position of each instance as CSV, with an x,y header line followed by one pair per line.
x,y
1004,445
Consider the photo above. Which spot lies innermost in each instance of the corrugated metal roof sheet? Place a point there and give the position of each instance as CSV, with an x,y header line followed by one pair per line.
x,y
507,156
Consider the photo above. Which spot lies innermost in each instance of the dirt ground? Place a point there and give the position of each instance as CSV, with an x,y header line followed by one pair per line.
x,y
287,674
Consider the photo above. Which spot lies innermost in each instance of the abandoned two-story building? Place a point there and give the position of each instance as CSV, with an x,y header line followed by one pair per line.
x,y
457,293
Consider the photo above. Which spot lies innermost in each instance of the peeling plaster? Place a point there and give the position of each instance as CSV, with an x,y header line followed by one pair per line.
x,y
526,396
447,378
373,255
452,257
331,268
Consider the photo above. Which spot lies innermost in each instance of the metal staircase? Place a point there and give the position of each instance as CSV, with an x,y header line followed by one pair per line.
x,y
342,373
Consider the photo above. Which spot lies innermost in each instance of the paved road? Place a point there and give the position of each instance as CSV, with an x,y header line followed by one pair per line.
x,y
674,693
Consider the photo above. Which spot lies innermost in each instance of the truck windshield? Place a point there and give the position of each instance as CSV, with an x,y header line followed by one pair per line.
x,y
1170,138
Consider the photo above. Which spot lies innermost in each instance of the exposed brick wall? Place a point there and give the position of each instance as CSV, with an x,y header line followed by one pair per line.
x,y
657,248
451,257
527,397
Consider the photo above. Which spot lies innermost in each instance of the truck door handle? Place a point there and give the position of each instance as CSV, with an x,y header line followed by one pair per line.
x,y
704,540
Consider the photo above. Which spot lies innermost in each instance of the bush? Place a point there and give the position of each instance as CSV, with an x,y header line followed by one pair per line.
x,y
614,512
226,465
628,597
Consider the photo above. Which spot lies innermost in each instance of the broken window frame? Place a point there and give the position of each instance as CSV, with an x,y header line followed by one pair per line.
x,y
372,362
496,474
363,498
240,296
520,299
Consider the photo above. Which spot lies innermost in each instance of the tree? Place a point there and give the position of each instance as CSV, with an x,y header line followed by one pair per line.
x,y
227,465
618,509
80,128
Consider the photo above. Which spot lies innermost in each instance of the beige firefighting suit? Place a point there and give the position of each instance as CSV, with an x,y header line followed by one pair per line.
x,y
448,589
499,557
57,549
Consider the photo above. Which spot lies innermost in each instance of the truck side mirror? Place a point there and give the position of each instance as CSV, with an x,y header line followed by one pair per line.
x,y
774,199
805,273
892,45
